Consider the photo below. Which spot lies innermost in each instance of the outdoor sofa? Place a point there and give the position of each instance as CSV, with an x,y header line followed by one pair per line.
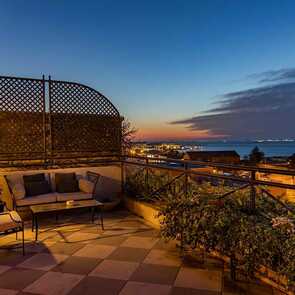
x,y
42,188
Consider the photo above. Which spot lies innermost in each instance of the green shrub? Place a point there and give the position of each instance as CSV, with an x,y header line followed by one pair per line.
x,y
264,237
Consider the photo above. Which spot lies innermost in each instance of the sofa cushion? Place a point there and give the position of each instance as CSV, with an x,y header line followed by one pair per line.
x,y
107,189
86,186
34,177
73,196
18,191
36,188
66,183
40,199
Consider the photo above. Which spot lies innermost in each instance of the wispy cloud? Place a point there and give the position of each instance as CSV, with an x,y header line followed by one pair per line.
x,y
262,112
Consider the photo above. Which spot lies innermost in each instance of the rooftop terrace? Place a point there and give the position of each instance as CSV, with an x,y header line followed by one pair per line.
x,y
129,257
50,125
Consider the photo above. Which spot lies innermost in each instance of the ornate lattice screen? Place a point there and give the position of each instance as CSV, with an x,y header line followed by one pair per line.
x,y
82,120
48,119
21,118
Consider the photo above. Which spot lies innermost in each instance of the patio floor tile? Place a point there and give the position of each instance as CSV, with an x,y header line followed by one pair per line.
x,y
4,268
96,285
65,248
120,270
129,254
187,291
8,292
77,265
95,251
140,242
19,278
163,257
81,237
53,283
153,233
12,258
43,261
112,241
156,274
199,279
33,247
135,288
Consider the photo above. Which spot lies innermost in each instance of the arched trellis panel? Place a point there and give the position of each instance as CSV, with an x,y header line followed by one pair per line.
x,y
47,119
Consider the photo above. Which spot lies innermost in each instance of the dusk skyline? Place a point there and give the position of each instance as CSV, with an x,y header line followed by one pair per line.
x,y
176,70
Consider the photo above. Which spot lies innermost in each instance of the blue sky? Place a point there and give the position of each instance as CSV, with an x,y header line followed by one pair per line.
x,y
158,61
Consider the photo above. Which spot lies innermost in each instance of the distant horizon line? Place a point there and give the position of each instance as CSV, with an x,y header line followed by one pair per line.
x,y
214,140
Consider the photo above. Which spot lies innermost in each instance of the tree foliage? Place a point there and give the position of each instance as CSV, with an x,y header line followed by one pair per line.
x,y
256,155
128,134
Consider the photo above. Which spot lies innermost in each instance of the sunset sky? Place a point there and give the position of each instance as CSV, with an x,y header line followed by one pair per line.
x,y
175,69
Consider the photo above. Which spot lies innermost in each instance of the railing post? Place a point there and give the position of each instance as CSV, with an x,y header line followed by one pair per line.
x,y
253,192
122,159
147,175
186,179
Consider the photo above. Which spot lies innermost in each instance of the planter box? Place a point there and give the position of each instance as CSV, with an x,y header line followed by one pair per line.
x,y
144,210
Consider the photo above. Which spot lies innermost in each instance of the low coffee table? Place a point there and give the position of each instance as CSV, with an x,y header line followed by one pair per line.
x,y
37,210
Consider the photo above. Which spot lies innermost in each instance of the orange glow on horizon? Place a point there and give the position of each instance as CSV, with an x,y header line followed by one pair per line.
x,y
172,132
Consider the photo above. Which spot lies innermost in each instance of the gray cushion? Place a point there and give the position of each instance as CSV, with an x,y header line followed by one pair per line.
x,y
73,196
36,188
34,177
40,199
66,183
107,189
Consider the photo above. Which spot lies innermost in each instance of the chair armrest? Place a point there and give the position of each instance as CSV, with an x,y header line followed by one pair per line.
x,y
13,216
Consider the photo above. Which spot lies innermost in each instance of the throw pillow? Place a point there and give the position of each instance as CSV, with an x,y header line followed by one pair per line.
x,y
34,177
66,183
37,188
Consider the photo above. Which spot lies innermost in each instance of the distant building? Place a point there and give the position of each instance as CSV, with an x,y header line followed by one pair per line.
x,y
229,157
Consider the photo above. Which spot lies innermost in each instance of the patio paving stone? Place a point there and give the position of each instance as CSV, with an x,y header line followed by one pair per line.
x,y
95,251
135,288
12,258
147,233
4,268
19,278
81,237
8,292
96,285
140,242
188,291
157,274
77,265
53,283
129,254
112,269
111,241
163,257
43,261
65,248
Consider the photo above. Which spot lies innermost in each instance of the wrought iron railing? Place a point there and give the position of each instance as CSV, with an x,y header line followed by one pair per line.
x,y
151,179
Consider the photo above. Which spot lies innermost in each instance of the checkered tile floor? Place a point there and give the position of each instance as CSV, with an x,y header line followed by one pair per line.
x,y
127,258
